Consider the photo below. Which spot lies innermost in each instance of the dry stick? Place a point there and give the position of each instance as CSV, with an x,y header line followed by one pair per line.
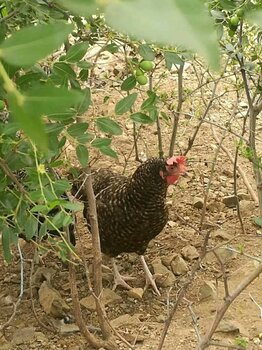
x,y
16,304
203,213
224,274
43,325
183,291
9,173
241,172
92,340
235,178
252,133
205,341
192,139
97,256
158,126
178,109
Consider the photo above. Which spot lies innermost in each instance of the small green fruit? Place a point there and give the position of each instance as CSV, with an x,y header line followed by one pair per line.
x,y
139,72
231,33
141,79
147,66
240,12
234,21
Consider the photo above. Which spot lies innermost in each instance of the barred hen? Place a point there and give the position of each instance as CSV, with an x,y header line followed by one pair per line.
x,y
131,210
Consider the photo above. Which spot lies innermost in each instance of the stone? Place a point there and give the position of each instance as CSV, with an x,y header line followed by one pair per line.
x,y
179,266
109,297
247,208
207,291
164,277
125,320
221,234
136,293
243,196
190,253
167,260
4,344
198,203
52,301
23,335
230,201
42,274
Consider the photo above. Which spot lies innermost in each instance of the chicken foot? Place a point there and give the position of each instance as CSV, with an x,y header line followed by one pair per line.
x,y
120,280
149,277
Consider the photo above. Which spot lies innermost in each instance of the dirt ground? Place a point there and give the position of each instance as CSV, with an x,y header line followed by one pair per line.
x,y
143,319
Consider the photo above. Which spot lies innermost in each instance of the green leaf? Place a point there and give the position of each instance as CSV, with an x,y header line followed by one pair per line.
x,y
8,237
40,208
30,44
82,155
172,58
31,227
173,22
129,83
61,116
141,118
255,17
83,105
80,7
108,126
76,52
125,104
84,65
258,221
146,52
83,74
72,206
101,142
108,151
64,70
46,100
112,48
29,121
77,129
149,102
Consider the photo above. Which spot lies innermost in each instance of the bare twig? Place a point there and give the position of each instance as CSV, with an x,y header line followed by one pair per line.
x,y
178,109
183,291
224,274
205,341
17,303
97,256
239,169
254,301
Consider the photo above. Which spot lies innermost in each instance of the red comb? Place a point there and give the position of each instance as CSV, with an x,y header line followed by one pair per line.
x,y
176,160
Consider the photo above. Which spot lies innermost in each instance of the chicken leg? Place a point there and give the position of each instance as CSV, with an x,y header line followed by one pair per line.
x,y
149,276
120,280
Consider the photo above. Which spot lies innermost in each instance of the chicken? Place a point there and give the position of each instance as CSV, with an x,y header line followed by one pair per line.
x,y
131,210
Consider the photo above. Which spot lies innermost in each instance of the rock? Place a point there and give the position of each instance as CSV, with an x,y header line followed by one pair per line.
x,y
136,293
243,196
4,344
198,203
23,335
109,297
179,266
161,319
230,201
231,326
224,254
222,234
247,208
42,274
69,328
167,260
126,319
40,337
207,291
164,277
51,301
215,206
189,252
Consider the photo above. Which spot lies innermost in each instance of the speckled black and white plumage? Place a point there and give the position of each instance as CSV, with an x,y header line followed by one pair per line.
x,y
131,210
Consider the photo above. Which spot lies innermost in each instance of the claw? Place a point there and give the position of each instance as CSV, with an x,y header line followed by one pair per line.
x,y
120,280
149,277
